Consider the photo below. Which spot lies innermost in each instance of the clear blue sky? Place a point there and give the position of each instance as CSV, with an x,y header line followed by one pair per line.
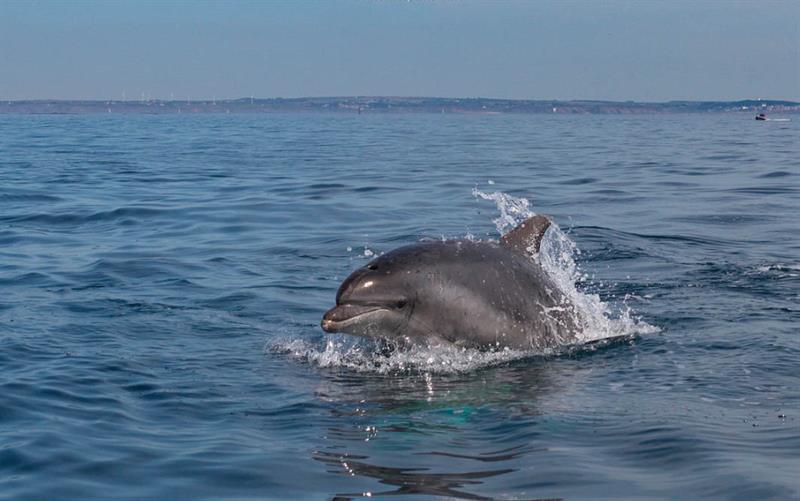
x,y
617,50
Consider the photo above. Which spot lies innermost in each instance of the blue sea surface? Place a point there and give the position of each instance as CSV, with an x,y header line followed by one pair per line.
x,y
162,279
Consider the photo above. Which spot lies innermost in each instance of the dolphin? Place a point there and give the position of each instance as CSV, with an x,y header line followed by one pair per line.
x,y
484,295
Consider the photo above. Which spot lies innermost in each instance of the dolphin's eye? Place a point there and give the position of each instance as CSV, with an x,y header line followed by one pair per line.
x,y
372,267
401,303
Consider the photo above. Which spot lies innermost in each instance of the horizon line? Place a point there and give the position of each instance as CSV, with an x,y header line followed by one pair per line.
x,y
388,96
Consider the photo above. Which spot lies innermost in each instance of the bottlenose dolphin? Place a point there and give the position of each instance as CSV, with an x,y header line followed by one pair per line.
x,y
484,295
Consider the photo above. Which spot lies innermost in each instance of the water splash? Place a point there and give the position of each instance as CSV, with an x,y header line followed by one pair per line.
x,y
557,256
367,254
368,355
513,210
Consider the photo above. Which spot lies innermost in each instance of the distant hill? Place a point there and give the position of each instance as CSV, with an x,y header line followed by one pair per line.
x,y
393,105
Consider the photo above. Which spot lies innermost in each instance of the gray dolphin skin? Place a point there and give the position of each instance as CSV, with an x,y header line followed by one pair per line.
x,y
484,295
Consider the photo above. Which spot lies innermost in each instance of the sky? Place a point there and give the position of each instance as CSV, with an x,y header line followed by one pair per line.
x,y
536,49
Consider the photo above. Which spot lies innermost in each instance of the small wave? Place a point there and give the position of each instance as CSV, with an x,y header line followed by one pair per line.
x,y
80,218
28,197
763,190
777,173
779,270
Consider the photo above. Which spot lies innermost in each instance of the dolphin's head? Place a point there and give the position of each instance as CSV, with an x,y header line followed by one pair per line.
x,y
375,301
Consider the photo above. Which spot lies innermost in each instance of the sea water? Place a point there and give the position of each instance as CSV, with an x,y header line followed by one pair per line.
x,y
162,279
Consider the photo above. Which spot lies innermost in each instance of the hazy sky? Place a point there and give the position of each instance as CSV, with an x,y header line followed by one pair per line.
x,y
618,50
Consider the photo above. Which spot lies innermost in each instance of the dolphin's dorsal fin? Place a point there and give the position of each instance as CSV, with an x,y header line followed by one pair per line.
x,y
528,234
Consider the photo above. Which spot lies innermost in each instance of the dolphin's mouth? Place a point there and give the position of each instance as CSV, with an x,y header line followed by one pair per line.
x,y
342,316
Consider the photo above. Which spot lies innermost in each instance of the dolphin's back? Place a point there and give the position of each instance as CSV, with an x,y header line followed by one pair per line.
x,y
483,294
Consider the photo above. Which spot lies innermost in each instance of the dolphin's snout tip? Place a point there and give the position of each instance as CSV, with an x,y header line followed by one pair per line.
x,y
327,322
342,317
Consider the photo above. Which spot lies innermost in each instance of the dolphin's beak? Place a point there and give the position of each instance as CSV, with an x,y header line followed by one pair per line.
x,y
338,318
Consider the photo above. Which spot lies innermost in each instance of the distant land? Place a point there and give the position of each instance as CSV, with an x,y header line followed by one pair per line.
x,y
390,105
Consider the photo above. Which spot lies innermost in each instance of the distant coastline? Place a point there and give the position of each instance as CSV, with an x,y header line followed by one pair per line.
x,y
391,105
